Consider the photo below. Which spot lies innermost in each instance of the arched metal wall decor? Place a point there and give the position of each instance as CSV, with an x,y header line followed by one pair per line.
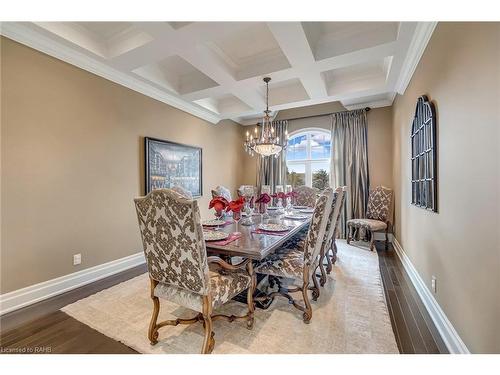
x,y
424,156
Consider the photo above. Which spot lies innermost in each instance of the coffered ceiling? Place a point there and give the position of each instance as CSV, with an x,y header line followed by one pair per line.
x,y
214,70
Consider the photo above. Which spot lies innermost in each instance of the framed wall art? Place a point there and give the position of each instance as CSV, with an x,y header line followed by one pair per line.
x,y
170,164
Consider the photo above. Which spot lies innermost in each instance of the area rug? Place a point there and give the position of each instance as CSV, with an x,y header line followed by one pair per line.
x,y
350,316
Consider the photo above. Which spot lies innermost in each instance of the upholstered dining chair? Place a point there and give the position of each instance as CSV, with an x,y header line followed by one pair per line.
x,y
377,216
332,247
300,262
221,191
306,196
331,227
185,193
178,266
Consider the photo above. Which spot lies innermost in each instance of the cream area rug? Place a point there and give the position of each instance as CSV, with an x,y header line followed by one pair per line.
x,y
350,316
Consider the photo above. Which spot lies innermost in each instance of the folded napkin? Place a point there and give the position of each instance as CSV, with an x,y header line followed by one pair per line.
x,y
232,237
260,231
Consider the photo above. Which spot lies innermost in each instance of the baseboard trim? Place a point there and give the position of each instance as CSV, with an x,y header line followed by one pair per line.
x,y
448,333
34,293
379,236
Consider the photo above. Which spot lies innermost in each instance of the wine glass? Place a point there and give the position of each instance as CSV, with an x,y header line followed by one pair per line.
x,y
236,218
219,214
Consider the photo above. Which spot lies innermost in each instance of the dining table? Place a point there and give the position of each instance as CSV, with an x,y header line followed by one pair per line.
x,y
257,246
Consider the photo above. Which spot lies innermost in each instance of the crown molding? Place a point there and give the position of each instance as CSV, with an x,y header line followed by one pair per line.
x,y
29,37
421,37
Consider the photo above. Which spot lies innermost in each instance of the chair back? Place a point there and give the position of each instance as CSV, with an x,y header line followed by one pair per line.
x,y
379,204
331,225
317,228
172,238
185,193
306,196
221,191
247,190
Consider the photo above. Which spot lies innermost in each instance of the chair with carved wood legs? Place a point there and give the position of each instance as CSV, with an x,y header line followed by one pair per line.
x,y
179,268
377,217
299,263
332,246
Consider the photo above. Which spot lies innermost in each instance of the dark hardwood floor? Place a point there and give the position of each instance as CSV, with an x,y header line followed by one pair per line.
x,y
414,330
43,328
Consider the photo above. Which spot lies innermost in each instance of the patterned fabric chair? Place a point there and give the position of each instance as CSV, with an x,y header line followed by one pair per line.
x,y
377,216
178,266
185,193
243,188
331,228
332,247
300,262
221,191
306,196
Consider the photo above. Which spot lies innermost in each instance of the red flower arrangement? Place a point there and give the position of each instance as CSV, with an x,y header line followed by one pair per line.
x,y
218,203
264,198
279,195
236,205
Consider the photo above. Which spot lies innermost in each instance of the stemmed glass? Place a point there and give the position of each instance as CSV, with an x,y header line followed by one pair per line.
x,y
236,218
219,214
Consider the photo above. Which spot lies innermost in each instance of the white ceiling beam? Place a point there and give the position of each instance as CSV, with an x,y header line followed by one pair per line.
x,y
293,42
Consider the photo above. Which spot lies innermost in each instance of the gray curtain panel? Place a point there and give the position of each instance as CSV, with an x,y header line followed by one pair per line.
x,y
349,163
271,170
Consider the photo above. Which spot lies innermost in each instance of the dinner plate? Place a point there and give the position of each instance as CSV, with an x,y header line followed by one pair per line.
x,y
296,217
214,235
213,223
307,210
274,227
300,207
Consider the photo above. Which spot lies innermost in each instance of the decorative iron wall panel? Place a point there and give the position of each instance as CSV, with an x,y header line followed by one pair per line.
x,y
423,156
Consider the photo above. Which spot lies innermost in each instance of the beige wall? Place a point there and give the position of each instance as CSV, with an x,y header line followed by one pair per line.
x,y
72,161
379,135
460,245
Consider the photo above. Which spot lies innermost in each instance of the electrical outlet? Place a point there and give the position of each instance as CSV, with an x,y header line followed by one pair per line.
x,y
433,284
77,259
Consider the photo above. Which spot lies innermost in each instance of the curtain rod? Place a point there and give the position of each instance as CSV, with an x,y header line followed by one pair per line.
x,y
367,109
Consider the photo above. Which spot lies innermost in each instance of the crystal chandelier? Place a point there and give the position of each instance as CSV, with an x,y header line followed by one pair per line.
x,y
267,143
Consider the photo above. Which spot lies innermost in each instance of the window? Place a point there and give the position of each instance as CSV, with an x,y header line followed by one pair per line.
x,y
308,158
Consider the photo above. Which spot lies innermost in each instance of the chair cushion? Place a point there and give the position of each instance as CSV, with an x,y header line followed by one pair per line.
x,y
368,224
284,263
223,286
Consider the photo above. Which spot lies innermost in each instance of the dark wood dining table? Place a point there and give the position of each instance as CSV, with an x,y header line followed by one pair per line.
x,y
257,246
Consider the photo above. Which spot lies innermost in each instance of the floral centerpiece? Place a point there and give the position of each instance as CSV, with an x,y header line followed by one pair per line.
x,y
236,206
263,201
219,204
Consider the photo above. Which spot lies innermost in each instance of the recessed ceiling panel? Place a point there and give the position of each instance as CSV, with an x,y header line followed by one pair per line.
x,y
176,74
288,91
228,105
329,39
357,77
105,39
250,51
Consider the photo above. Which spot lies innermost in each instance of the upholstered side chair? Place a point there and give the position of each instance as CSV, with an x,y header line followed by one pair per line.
x,y
330,233
182,191
221,191
377,216
178,266
306,196
300,262
332,247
